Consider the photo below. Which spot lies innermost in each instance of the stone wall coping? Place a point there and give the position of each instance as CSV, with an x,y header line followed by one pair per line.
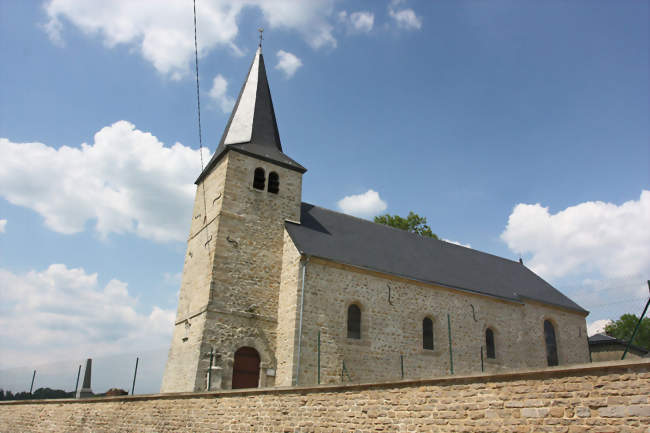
x,y
595,368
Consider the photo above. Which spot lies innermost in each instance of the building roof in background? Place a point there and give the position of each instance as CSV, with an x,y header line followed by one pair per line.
x,y
349,240
606,340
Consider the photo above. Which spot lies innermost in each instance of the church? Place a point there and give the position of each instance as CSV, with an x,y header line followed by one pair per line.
x,y
278,292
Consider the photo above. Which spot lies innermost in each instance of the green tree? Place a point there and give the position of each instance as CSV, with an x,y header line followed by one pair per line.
x,y
413,223
624,326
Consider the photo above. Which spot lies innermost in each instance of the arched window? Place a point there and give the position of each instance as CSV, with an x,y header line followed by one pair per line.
x,y
274,182
259,179
551,344
354,322
489,344
427,334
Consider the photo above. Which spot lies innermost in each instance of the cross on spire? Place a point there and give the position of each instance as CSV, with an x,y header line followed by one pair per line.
x,y
261,30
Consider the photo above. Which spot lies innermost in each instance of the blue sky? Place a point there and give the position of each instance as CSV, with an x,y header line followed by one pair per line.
x,y
517,127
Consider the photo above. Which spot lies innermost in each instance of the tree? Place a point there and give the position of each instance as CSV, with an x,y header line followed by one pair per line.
x,y
40,393
413,223
624,326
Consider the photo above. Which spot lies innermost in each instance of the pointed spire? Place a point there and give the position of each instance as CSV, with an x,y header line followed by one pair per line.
x,y
252,128
253,118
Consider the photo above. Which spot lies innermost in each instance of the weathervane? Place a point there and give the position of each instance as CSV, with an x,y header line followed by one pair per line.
x,y
261,30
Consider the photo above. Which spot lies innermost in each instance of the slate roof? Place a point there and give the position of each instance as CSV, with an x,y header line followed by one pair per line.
x,y
605,340
252,128
345,239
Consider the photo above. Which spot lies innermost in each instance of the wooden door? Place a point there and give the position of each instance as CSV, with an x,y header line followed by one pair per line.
x,y
246,369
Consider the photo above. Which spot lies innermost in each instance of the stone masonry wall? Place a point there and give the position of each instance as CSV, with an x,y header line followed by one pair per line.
x,y
612,353
233,294
288,313
391,327
195,291
607,397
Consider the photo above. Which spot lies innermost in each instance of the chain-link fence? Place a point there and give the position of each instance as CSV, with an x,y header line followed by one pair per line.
x,y
108,372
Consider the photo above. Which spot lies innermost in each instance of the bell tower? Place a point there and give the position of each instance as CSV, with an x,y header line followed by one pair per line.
x,y
225,328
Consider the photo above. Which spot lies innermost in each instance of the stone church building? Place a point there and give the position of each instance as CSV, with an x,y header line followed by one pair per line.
x,y
278,292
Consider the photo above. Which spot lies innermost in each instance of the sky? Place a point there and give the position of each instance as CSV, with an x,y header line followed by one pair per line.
x,y
519,128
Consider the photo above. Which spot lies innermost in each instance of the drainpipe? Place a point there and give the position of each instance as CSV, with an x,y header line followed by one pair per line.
x,y
302,304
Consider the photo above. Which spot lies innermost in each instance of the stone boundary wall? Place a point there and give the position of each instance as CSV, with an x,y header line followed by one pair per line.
x,y
599,397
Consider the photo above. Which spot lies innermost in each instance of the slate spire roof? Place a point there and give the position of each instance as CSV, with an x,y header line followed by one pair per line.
x,y
252,128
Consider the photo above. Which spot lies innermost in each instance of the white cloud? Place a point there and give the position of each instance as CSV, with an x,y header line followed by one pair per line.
x,y
218,93
362,21
358,22
597,327
363,205
66,314
3,224
591,236
162,31
127,181
603,247
288,63
404,18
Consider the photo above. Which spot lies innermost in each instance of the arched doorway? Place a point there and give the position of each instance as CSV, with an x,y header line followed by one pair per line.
x,y
551,343
246,369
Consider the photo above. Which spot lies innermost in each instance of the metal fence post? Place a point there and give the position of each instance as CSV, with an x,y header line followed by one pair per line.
x,y
210,369
76,385
134,374
451,356
32,385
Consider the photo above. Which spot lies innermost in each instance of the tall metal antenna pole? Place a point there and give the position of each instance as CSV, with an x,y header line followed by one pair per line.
x,y
198,107
198,97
